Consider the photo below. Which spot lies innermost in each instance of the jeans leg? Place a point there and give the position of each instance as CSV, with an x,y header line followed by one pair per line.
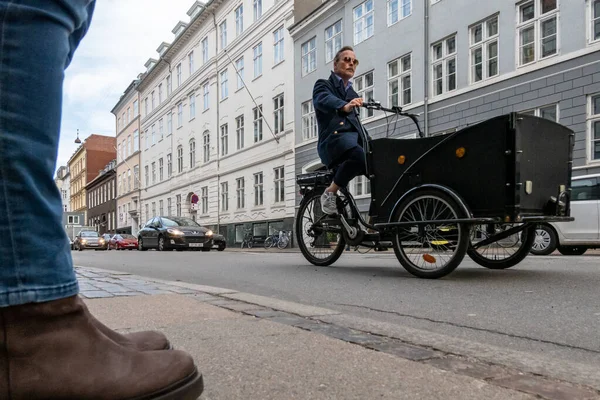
x,y
37,40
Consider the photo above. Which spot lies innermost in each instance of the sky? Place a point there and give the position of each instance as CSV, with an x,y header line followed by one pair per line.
x,y
123,35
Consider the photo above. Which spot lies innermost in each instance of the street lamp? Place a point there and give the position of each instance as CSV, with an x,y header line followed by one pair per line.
x,y
77,140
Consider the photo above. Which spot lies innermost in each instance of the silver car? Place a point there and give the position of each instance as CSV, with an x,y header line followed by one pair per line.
x,y
89,240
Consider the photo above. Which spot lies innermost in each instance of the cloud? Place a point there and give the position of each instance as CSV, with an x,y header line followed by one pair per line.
x,y
122,36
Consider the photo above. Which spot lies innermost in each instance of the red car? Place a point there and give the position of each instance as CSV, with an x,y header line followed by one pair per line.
x,y
123,241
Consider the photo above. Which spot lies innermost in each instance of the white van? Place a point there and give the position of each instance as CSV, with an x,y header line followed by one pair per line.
x,y
575,237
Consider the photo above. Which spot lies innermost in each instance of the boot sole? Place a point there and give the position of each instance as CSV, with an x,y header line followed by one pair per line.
x,y
189,388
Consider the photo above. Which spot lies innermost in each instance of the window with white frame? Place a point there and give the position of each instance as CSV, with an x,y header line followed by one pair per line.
x,y
180,159
204,199
537,29
147,139
161,207
224,196
363,85
483,40
361,186
444,65
548,111
192,106
333,40
258,189
594,127
224,85
594,15
145,107
179,75
239,131
161,131
169,86
239,66
192,153
169,123
224,139
278,113
191,62
161,169
178,204
169,205
257,123
204,50
154,172
363,21
309,56
278,46
160,93
239,20
147,175
205,95
153,134
397,10
257,59
223,34
257,9
136,177
136,108
179,115
128,180
279,184
153,101
206,146
400,81
169,165
309,121
128,115
240,192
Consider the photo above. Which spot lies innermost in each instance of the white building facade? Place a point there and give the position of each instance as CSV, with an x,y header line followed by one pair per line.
x,y
216,108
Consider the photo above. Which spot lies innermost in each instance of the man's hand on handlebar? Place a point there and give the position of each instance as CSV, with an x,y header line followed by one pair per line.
x,y
353,103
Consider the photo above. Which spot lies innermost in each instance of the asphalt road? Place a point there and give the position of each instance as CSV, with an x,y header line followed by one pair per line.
x,y
545,305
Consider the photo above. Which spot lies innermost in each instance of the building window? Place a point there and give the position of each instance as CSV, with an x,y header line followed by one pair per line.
x,y
136,177
239,20
361,186
169,205
278,113
363,22
192,106
399,81
594,128
192,153
169,165
398,9
239,66
136,108
205,95
119,153
444,66
153,134
309,121
333,40
204,197
161,129
161,208
191,62
279,184
239,131
224,196
204,50
258,189
240,192
153,172
224,139
128,180
147,175
484,49
257,123
537,30
257,58
549,112
146,110
169,86
147,139
178,74
169,123
223,34
224,87
178,204
309,56
153,208
160,94
594,20
179,159
257,9
206,145
161,169
179,115
278,46
364,87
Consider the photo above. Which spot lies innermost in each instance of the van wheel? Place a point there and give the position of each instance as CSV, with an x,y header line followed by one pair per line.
x,y
545,241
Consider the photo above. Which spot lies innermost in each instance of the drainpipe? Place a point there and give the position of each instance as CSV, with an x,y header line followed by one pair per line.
x,y
217,130
426,69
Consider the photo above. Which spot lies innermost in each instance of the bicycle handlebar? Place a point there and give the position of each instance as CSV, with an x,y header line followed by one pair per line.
x,y
376,105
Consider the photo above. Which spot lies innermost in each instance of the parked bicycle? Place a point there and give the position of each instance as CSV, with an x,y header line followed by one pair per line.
x,y
280,239
248,239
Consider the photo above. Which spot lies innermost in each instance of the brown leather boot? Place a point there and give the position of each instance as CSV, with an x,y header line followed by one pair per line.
x,y
53,350
143,341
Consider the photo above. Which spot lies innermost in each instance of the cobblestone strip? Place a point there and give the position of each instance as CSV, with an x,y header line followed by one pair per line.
x,y
105,284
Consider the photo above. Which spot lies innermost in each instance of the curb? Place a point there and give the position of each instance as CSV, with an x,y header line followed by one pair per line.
x,y
545,377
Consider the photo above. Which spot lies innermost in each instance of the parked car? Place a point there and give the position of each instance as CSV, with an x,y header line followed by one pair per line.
x,y
122,241
89,240
575,237
167,233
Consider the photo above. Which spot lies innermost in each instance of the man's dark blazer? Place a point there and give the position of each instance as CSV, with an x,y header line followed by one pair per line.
x,y
338,130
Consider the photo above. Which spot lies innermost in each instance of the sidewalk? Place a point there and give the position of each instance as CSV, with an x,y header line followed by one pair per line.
x,y
247,350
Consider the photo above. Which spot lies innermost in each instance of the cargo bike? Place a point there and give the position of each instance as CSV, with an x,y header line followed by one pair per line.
x,y
479,191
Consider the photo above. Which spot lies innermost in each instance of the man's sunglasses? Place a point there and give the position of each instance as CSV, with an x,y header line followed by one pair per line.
x,y
350,60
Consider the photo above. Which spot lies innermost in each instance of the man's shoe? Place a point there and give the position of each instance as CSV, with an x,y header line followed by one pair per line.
x,y
143,341
328,204
53,350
